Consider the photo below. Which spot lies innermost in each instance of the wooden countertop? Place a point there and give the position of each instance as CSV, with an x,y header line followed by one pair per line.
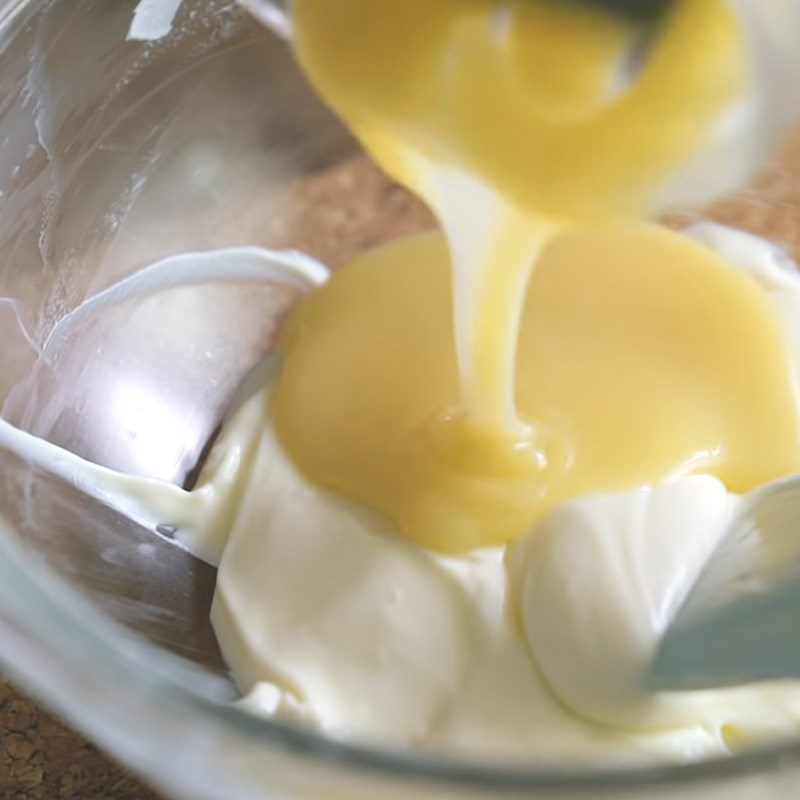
x,y
41,759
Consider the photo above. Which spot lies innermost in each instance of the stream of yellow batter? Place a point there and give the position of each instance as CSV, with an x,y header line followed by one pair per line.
x,y
456,388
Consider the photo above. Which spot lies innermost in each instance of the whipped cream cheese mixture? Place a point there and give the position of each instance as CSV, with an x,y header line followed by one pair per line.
x,y
533,650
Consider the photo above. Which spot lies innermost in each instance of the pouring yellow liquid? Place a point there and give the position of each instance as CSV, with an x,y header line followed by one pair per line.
x,y
549,345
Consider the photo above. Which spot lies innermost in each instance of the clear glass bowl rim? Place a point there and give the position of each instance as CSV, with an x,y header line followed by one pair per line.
x,y
46,609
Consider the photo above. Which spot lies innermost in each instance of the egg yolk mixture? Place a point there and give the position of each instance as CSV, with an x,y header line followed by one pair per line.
x,y
548,344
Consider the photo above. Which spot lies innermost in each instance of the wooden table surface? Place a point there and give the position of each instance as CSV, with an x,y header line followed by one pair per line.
x,y
42,759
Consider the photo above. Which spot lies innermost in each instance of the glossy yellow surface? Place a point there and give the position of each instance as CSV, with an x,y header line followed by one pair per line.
x,y
632,372
526,94
639,355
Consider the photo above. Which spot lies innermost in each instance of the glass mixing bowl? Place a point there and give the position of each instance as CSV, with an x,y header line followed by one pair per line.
x,y
115,153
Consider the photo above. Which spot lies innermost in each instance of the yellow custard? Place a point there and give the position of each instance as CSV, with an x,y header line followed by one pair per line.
x,y
665,360
447,387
